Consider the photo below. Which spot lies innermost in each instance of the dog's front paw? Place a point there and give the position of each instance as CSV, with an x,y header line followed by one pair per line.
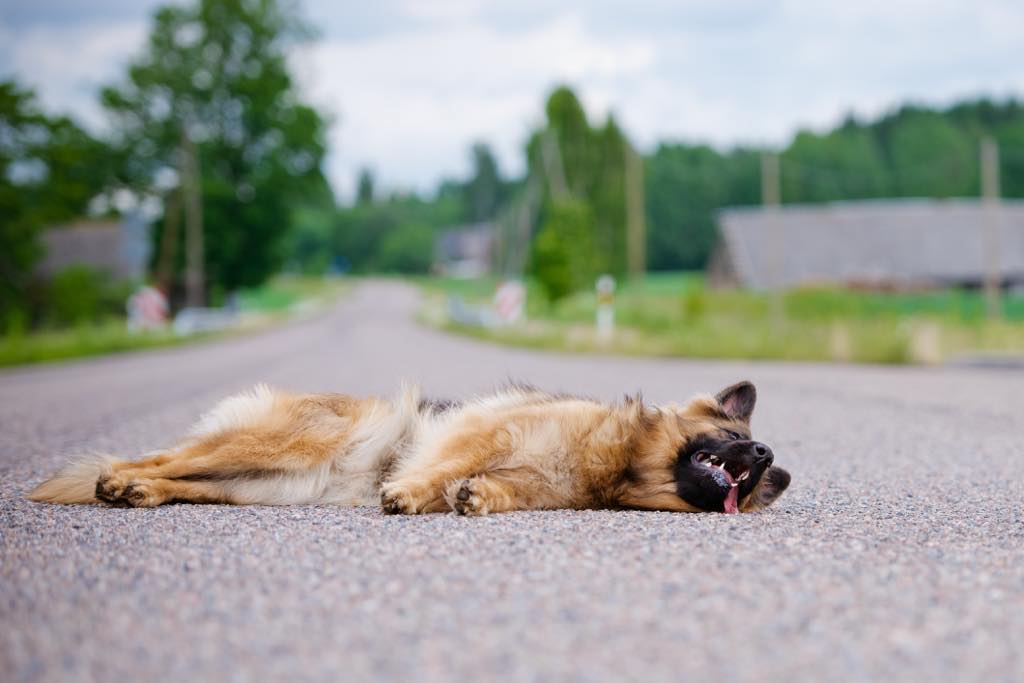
x,y
466,497
396,499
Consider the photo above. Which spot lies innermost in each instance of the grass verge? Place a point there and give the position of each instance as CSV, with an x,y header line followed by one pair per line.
x,y
674,314
261,306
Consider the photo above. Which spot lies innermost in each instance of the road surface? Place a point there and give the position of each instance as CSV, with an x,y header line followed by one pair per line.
x,y
897,553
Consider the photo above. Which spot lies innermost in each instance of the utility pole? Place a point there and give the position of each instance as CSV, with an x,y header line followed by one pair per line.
x,y
195,294
554,169
169,242
771,198
636,230
771,194
990,209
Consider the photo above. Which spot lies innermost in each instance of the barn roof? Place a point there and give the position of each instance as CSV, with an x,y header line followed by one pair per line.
x,y
118,246
897,242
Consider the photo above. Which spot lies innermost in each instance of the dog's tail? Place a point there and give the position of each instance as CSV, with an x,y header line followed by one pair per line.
x,y
75,483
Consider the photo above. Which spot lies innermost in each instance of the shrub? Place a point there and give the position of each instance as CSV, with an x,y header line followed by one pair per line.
x,y
81,294
562,253
407,249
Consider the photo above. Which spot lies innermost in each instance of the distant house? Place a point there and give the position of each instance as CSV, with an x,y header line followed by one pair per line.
x,y
895,244
465,251
119,247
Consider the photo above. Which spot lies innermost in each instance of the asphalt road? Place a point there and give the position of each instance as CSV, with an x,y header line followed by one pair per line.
x,y
897,553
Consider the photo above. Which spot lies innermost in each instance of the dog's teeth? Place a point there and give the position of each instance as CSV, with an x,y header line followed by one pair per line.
x,y
743,476
722,467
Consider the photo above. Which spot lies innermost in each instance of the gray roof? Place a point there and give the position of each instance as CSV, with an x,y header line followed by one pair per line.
x,y
474,241
894,242
119,246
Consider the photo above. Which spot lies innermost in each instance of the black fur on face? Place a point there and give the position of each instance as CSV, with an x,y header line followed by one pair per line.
x,y
708,466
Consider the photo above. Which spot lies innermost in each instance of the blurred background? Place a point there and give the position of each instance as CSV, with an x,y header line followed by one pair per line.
x,y
837,182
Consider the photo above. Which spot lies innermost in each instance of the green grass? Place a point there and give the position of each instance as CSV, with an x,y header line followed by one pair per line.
x,y
85,340
286,291
260,306
674,314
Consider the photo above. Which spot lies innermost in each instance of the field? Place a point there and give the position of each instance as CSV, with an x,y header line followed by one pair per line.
x,y
259,306
675,314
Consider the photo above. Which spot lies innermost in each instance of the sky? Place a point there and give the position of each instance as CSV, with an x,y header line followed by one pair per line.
x,y
412,84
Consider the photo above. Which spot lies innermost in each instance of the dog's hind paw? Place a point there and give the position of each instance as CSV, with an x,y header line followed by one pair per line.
x,y
109,488
140,495
133,494
464,497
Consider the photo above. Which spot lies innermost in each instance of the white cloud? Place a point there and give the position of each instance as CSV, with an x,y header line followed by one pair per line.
x,y
68,64
409,104
413,84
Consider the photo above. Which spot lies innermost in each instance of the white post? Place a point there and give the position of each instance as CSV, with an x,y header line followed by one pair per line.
x,y
771,198
990,204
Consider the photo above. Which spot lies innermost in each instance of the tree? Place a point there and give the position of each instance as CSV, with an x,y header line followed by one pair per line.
x,y
582,170
214,76
364,187
49,171
483,191
407,249
608,199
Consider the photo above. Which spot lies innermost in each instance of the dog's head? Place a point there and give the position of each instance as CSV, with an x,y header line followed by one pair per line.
x,y
701,457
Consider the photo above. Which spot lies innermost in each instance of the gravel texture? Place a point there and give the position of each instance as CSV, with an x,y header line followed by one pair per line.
x,y
896,554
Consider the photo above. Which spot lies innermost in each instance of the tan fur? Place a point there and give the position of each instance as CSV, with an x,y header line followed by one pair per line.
x,y
517,449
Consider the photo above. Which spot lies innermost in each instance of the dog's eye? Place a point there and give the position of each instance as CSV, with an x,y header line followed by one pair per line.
x,y
733,435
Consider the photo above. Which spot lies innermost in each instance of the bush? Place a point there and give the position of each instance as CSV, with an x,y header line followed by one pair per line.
x,y
407,249
550,264
562,253
81,295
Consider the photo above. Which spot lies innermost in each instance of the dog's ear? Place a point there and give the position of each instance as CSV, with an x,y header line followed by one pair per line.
x,y
774,481
738,400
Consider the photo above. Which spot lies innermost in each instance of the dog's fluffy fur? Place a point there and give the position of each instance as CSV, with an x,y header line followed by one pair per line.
x,y
517,449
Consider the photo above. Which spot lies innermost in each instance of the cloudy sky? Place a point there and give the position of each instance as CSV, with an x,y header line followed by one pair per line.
x,y
412,83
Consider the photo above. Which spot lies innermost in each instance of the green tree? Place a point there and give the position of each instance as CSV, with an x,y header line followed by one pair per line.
x,y
484,190
929,156
216,72
365,187
49,171
562,253
407,249
848,163
582,171
608,200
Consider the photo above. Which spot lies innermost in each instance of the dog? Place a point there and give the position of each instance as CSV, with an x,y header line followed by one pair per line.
x,y
517,449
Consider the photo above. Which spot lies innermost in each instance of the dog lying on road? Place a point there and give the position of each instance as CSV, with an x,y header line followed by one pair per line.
x,y
518,449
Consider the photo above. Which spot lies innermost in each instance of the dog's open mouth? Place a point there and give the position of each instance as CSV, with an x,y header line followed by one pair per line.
x,y
729,474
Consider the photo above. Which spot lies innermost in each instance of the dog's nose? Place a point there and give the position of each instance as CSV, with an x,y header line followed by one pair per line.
x,y
763,454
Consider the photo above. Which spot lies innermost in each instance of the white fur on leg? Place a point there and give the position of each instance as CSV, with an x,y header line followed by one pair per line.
x,y
235,412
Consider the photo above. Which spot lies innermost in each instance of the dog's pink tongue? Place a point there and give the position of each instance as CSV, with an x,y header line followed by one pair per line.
x,y
730,505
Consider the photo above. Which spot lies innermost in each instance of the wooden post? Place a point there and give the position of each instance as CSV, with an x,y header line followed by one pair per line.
x,y
636,229
990,209
195,294
771,198
169,242
554,170
771,193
